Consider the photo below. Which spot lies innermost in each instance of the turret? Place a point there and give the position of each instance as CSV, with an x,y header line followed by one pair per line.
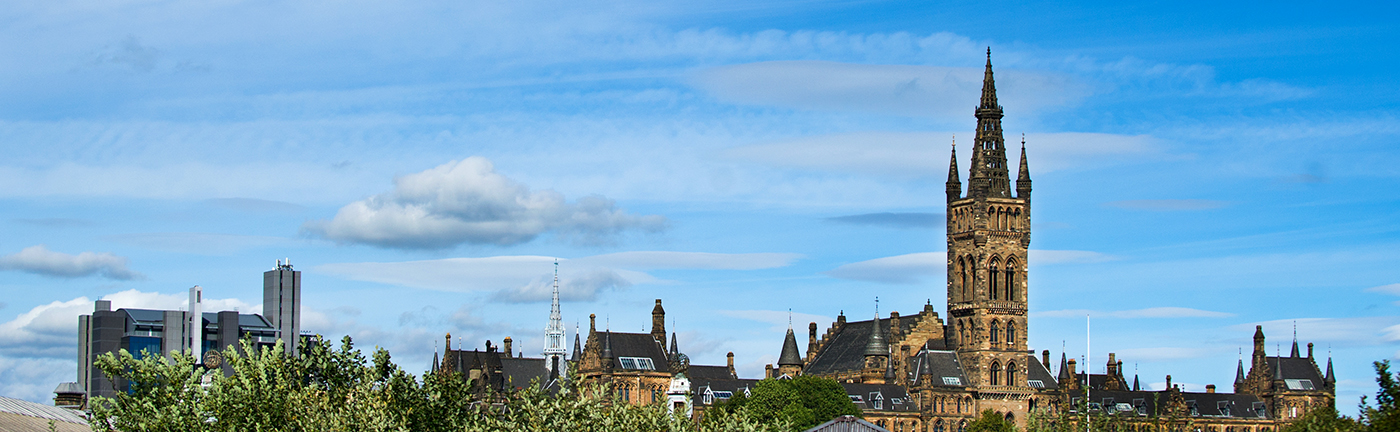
x,y
1023,179
1330,380
877,355
789,362
658,322
954,185
811,338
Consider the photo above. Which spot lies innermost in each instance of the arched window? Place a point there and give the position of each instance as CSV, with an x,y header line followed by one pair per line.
x,y
996,329
995,276
1011,333
962,426
1011,374
938,425
1011,271
994,374
1010,418
962,279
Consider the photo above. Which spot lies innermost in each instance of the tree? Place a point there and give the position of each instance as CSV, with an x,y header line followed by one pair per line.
x,y
1322,419
1385,416
990,421
802,402
325,389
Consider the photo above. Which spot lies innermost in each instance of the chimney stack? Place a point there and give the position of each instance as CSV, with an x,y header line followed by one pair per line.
x,y
1045,359
1210,388
729,358
507,345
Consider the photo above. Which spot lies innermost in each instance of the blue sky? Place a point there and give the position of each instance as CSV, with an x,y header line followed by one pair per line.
x,y
1199,169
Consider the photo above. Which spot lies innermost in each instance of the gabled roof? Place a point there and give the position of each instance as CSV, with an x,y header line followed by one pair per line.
x,y
638,345
1038,372
735,386
1290,368
1228,405
892,397
21,413
936,365
845,349
520,372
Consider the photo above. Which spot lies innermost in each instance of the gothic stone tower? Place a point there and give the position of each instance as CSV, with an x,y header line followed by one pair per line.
x,y
988,235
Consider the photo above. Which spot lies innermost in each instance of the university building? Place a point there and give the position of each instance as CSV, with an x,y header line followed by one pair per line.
x,y
944,370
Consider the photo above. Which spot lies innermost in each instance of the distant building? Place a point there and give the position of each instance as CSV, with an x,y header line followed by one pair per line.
x,y
25,416
920,373
144,332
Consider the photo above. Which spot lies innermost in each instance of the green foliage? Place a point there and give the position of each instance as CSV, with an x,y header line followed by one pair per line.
x,y
802,402
990,421
1385,416
1322,419
328,389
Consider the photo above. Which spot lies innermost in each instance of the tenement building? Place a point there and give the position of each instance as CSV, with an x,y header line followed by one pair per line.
x,y
925,372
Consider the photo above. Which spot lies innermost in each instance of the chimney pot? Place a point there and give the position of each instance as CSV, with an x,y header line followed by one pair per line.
x,y
1210,388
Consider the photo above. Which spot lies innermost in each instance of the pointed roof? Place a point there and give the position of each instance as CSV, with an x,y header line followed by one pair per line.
x,y
578,351
789,355
607,344
953,165
1025,174
435,361
989,87
876,345
1330,378
1294,353
1136,387
1239,372
674,351
1064,369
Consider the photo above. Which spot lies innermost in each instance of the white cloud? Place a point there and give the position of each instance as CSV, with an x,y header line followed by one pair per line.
x,y
925,154
529,278
40,260
915,267
50,330
644,260
1156,312
1392,289
583,286
899,269
1337,332
467,202
779,320
1157,354
926,91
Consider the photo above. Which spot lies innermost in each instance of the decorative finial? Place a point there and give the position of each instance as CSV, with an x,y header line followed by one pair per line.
x,y
1023,140
789,317
955,141
989,53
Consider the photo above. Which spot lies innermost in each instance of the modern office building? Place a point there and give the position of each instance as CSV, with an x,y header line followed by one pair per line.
x,y
144,332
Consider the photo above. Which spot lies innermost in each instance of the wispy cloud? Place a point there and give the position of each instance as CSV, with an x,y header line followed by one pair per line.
x,y
467,202
894,220
899,269
925,154
936,91
200,243
1156,312
40,260
518,279
1168,204
1392,289
779,319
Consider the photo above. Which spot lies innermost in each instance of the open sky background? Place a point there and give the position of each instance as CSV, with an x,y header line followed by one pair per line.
x,y
1200,168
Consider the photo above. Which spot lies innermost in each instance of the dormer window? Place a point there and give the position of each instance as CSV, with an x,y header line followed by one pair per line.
x,y
636,363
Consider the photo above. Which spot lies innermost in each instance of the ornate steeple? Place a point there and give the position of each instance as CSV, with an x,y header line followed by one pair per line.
x,y
578,348
1023,178
989,175
1329,379
554,332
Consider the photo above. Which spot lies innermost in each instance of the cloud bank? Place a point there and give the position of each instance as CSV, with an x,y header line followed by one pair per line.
x,y
40,260
467,202
894,220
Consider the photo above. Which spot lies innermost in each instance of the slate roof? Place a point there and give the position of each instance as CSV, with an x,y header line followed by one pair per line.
x,y
892,397
789,354
938,364
1295,368
736,386
1037,371
519,372
697,373
638,345
1218,405
845,350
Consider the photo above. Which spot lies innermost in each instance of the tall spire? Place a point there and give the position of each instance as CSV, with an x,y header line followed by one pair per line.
x,y
954,184
989,175
554,332
1329,379
1064,369
578,348
989,87
674,350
